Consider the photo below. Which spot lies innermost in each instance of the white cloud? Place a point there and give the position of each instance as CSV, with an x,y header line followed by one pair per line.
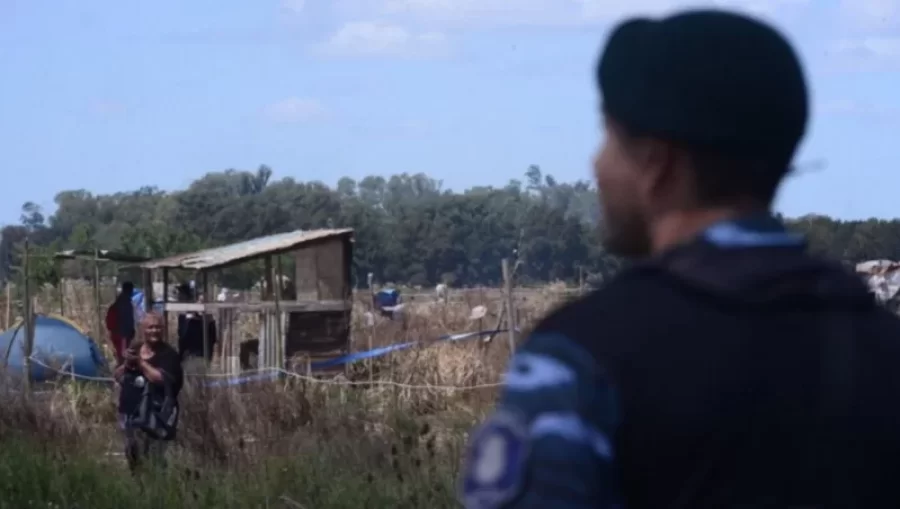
x,y
870,47
475,11
372,38
296,110
867,54
872,14
839,107
597,10
390,128
848,107
107,107
293,6
602,10
394,35
845,107
555,12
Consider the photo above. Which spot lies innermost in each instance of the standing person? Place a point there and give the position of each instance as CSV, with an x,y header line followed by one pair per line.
x,y
151,378
120,322
760,376
190,331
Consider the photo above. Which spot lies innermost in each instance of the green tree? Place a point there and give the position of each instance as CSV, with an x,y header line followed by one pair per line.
x,y
409,229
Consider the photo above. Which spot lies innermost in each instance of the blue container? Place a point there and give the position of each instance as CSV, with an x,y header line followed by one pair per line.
x,y
387,298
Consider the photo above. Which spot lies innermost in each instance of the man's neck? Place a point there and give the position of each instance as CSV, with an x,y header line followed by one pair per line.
x,y
678,227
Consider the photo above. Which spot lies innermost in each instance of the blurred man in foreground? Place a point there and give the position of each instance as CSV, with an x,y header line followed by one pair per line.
x,y
758,376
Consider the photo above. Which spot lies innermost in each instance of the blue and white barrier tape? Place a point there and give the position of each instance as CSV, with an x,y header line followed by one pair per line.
x,y
274,373
349,358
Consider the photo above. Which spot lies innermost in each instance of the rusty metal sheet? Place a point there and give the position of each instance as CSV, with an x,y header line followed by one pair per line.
x,y
882,277
244,251
876,266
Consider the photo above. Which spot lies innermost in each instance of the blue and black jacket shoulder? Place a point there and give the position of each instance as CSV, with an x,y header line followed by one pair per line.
x,y
550,441
694,380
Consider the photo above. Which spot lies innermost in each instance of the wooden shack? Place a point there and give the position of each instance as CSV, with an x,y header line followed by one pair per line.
x,y
311,321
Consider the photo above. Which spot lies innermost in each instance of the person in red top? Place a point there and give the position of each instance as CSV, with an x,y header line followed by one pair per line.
x,y
120,321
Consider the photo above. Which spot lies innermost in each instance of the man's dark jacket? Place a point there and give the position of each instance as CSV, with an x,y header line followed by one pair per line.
x,y
722,376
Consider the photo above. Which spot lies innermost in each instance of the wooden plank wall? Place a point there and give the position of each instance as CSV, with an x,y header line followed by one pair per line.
x,y
321,274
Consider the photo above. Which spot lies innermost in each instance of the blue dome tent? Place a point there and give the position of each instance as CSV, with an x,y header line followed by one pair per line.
x,y
58,343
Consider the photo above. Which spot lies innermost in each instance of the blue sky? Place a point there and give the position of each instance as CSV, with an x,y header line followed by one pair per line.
x,y
107,95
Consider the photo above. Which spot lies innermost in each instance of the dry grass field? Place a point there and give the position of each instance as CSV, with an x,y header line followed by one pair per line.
x,y
389,437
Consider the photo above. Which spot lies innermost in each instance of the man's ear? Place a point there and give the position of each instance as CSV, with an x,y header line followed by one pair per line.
x,y
657,162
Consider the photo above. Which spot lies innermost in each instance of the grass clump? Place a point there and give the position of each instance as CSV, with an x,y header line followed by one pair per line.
x,y
32,476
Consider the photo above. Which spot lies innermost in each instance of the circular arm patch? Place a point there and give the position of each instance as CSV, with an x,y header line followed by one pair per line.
x,y
495,462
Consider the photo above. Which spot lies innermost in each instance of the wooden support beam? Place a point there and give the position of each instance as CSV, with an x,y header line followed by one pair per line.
x,y
510,309
165,298
300,307
29,317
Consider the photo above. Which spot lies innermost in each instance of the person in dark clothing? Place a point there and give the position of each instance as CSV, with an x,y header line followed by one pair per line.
x,y
120,320
190,336
726,367
190,330
151,379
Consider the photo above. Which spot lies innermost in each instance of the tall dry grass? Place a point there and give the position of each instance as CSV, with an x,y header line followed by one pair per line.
x,y
295,443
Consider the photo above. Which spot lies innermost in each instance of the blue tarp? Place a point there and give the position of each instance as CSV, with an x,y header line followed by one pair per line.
x,y
57,343
137,300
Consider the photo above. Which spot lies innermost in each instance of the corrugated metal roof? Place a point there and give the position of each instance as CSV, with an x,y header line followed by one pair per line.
x,y
243,251
101,255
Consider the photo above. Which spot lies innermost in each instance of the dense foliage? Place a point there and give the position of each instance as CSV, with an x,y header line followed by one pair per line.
x,y
408,229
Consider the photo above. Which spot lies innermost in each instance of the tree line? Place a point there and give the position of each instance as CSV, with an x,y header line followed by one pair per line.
x,y
409,229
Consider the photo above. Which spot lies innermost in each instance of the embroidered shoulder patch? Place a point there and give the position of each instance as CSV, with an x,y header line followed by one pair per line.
x,y
495,462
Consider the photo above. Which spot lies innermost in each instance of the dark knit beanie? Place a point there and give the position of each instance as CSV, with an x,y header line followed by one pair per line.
x,y
709,79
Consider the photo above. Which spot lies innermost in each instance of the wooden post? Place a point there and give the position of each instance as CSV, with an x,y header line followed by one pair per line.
x,y
232,367
60,285
165,298
6,324
147,283
279,330
266,350
369,279
97,305
222,331
222,328
29,317
510,312
204,282
222,339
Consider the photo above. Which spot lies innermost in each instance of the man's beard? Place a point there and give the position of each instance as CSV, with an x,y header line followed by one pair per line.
x,y
626,235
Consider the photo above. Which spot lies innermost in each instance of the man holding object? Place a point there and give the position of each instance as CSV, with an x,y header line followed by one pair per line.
x,y
151,378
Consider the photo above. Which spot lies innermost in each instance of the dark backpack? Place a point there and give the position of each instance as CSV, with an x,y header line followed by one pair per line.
x,y
158,417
